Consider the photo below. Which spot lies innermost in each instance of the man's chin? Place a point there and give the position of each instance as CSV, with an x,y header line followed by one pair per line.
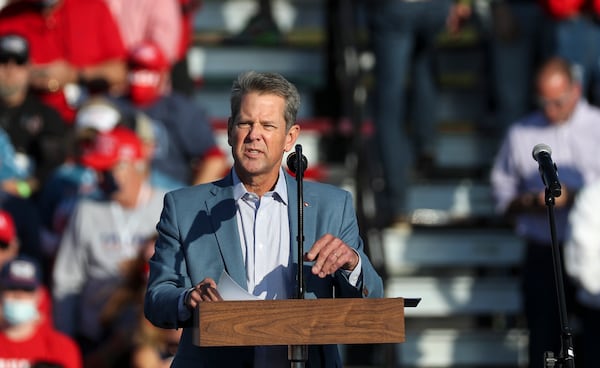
x,y
9,91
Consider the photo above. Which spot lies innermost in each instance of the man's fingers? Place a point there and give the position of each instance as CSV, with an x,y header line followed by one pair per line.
x,y
331,257
209,293
205,290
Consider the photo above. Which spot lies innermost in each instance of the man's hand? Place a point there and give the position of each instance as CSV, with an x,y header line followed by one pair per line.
x,y
457,16
330,254
204,291
53,76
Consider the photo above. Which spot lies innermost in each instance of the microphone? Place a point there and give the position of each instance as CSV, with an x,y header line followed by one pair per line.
x,y
541,153
292,162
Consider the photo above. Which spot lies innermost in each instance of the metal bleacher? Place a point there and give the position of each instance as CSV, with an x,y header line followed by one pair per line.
x,y
458,256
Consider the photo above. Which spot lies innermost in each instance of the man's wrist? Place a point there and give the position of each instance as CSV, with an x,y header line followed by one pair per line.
x,y
352,266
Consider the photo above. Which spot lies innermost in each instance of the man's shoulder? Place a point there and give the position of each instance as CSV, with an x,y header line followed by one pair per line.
x,y
324,189
200,190
590,110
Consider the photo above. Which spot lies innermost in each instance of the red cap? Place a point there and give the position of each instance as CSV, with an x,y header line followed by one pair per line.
x,y
148,55
110,148
7,227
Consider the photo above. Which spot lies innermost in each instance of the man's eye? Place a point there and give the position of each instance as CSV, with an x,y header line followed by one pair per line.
x,y
243,125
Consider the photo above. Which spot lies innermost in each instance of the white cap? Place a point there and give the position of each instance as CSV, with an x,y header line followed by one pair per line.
x,y
100,116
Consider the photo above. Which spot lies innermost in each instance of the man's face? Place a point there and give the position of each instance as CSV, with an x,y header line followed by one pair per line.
x,y
145,86
258,136
125,178
557,97
14,77
19,306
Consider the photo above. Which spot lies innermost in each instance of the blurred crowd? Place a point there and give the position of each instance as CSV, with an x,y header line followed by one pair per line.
x,y
97,122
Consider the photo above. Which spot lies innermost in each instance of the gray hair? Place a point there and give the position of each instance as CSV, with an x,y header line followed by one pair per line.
x,y
265,83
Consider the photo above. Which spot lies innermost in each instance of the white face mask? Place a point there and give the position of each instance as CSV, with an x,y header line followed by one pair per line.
x,y
16,312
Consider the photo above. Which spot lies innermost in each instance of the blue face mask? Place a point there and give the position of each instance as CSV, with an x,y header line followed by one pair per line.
x,y
16,312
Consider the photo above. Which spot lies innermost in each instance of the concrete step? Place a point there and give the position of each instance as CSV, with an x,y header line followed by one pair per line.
x,y
218,65
456,296
451,202
437,348
408,250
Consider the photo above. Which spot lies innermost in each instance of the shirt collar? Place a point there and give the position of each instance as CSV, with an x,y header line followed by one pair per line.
x,y
280,191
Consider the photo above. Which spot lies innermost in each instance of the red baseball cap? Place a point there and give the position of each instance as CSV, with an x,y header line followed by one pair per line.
x,y
7,227
110,148
148,55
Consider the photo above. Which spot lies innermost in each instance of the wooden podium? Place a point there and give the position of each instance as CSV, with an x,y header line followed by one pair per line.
x,y
301,322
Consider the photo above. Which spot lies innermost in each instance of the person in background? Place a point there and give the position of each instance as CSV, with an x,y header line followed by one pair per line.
x,y
10,248
567,123
582,263
38,134
132,341
403,36
26,339
181,79
101,236
76,49
577,40
158,21
243,224
185,151
73,180
15,190
262,26
520,39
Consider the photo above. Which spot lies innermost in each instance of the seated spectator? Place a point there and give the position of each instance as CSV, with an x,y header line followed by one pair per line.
x,y
101,236
37,132
73,180
10,249
76,49
15,189
131,340
185,151
25,338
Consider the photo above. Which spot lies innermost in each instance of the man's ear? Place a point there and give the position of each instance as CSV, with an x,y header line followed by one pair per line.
x,y
291,137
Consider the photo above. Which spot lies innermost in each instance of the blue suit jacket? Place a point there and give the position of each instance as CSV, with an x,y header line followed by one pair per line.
x,y
198,238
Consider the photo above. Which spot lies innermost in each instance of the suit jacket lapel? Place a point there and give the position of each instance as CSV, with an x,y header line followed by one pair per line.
x,y
310,219
226,232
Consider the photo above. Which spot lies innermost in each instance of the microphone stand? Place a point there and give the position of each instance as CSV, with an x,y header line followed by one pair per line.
x,y
566,357
298,354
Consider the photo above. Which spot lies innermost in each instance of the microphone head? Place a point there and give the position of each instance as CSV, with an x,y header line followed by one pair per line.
x,y
292,162
539,148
